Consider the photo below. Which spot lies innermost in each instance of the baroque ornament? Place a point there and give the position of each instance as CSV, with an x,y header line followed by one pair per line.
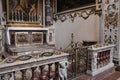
x,y
72,15
111,23
111,18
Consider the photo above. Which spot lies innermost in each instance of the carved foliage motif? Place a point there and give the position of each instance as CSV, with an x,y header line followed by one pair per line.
x,y
111,22
72,15
111,16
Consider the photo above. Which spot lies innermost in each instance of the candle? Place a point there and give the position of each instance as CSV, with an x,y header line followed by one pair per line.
x,y
97,5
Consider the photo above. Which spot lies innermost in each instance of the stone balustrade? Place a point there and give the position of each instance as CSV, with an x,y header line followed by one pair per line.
x,y
100,58
27,67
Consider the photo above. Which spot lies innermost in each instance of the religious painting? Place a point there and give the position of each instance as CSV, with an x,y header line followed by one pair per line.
x,y
21,38
37,37
63,5
23,11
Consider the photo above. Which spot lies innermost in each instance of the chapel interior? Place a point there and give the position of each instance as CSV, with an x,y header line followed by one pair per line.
x,y
59,40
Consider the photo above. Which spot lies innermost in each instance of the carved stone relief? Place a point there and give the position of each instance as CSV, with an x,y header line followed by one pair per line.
x,y
72,15
111,15
110,28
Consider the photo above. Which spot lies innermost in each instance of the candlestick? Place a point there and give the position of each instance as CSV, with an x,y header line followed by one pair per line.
x,y
12,15
22,16
29,16
18,15
32,17
96,4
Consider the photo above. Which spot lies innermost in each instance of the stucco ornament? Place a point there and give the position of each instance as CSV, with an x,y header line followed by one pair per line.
x,y
111,10
111,16
63,70
111,23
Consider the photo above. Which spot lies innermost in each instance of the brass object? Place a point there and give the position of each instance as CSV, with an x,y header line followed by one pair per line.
x,y
77,58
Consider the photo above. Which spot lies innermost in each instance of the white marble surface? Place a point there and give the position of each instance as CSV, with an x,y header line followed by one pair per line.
x,y
10,67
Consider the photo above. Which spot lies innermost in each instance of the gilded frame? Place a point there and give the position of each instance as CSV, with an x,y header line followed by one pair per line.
x,y
20,11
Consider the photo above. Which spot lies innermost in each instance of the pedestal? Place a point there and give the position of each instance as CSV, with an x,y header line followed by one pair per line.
x,y
100,58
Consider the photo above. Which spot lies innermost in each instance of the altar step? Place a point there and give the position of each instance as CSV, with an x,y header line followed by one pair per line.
x,y
109,74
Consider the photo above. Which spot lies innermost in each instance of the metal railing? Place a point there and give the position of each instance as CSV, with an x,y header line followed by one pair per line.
x,y
77,59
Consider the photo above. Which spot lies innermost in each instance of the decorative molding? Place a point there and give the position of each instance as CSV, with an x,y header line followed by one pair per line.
x,y
111,20
72,15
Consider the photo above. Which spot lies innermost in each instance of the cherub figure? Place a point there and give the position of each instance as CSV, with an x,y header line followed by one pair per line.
x,y
63,70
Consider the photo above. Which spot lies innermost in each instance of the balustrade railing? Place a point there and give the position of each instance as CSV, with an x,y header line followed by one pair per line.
x,y
27,67
100,58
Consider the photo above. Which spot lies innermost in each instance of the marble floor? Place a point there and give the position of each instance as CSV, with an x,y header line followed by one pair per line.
x,y
114,76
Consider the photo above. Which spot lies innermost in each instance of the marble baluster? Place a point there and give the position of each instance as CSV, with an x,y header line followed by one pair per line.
x,y
33,73
14,75
51,73
23,74
43,76
56,71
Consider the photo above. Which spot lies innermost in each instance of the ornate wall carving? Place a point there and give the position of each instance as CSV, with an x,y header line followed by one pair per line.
x,y
110,25
85,13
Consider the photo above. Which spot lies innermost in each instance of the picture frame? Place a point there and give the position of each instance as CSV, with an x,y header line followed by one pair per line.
x,y
23,11
64,5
